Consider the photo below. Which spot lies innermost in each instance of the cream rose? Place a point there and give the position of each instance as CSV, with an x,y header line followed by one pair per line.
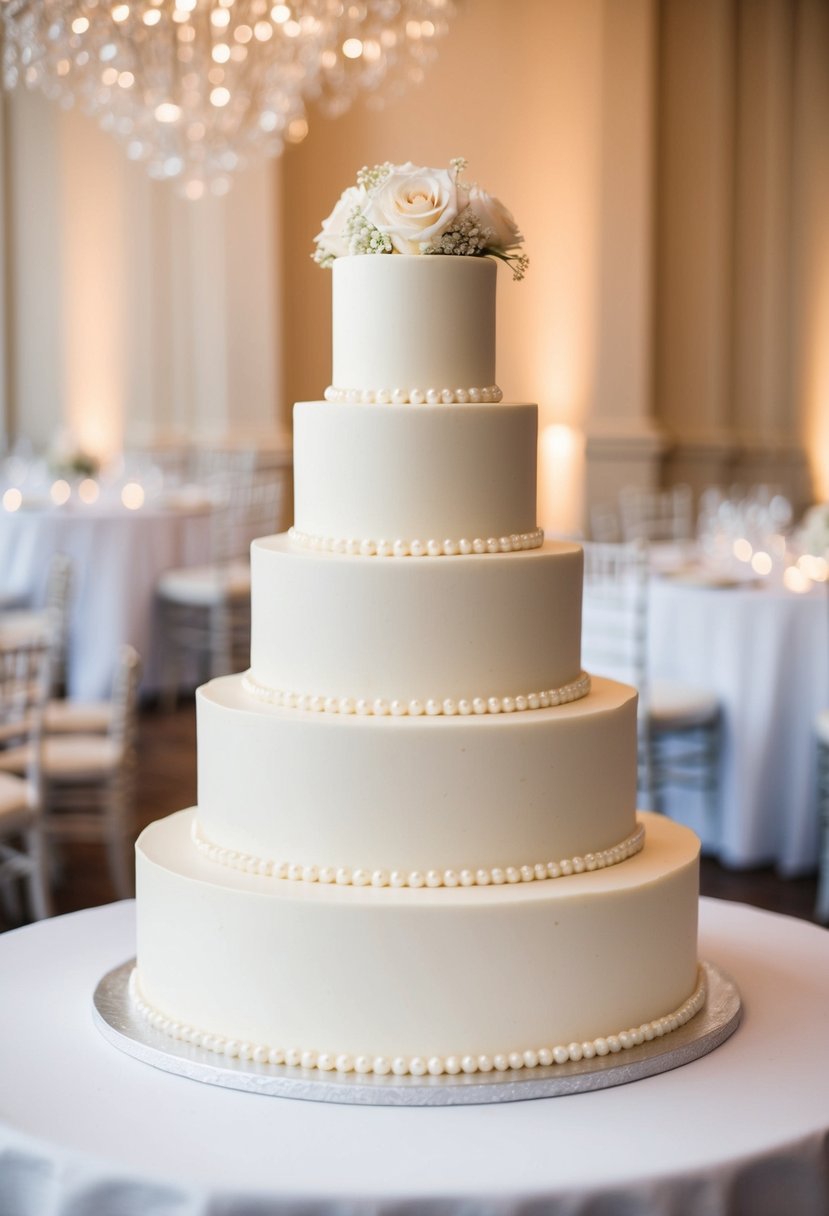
x,y
332,241
493,214
414,205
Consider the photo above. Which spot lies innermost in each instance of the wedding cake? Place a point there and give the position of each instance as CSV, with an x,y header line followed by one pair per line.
x,y
416,848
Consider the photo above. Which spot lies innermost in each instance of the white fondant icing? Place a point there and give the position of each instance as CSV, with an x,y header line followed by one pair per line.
x,y
338,626
269,867
393,473
403,321
376,792
418,1066
402,973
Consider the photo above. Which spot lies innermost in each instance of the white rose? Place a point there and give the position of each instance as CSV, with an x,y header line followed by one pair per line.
x,y
493,214
332,240
414,205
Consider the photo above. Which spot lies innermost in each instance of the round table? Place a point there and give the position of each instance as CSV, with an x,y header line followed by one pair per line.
x,y
117,556
87,1130
764,651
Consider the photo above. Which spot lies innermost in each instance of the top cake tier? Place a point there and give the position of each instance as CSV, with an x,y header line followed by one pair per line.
x,y
410,328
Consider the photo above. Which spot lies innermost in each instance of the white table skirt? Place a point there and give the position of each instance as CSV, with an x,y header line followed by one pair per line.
x,y
765,653
88,1131
117,557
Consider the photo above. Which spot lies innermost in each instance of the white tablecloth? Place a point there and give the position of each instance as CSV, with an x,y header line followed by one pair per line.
x,y
88,1131
116,557
765,652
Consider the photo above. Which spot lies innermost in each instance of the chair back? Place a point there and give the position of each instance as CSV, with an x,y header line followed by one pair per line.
x,y
614,613
123,721
207,464
604,523
25,675
656,515
58,602
251,507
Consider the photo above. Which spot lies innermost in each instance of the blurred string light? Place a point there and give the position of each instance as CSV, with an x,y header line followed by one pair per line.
x,y
195,89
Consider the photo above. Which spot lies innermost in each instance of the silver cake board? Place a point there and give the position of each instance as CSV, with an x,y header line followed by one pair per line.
x,y
128,1030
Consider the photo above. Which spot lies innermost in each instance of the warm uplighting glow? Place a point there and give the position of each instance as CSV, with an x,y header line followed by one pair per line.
x,y
12,499
742,549
561,475
88,490
761,563
132,496
60,492
795,580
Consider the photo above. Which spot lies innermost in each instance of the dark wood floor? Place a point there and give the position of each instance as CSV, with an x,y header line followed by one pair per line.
x,y
167,782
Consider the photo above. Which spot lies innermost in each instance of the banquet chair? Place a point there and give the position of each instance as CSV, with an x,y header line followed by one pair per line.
x,y
24,687
209,463
61,715
50,622
604,523
88,780
678,727
822,732
656,515
205,610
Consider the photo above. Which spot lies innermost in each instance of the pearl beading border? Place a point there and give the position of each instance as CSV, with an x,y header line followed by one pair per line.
x,y
413,396
367,547
419,1066
449,707
346,876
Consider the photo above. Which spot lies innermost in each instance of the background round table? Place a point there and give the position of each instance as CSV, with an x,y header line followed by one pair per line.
x,y
117,557
86,1130
764,651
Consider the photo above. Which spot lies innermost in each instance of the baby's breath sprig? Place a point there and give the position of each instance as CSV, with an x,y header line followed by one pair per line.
x,y
371,178
466,236
363,237
517,262
458,163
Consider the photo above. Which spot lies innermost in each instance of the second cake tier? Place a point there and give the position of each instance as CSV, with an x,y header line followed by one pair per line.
x,y
388,800
402,636
393,476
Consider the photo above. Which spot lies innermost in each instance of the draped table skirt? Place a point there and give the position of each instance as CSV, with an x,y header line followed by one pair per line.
x,y
88,1131
117,557
765,653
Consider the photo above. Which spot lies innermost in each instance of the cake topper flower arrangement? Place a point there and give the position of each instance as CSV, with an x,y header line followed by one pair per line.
x,y
414,210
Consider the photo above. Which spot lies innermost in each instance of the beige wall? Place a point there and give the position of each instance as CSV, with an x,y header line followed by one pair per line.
x,y
668,161
129,313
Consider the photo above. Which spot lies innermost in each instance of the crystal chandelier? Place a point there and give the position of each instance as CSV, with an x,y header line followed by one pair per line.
x,y
197,88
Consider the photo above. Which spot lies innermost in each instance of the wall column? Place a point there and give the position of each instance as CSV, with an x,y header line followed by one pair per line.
x,y
136,315
624,443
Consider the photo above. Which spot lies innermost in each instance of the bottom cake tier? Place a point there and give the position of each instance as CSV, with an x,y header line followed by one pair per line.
x,y
416,980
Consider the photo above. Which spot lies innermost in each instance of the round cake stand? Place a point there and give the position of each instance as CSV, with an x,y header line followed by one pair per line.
x,y
122,1026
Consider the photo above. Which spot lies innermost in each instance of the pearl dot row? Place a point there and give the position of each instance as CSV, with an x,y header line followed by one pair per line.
x,y
449,707
449,547
346,876
413,396
419,1066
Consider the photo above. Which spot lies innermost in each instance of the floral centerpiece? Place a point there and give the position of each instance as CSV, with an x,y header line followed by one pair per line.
x,y
414,210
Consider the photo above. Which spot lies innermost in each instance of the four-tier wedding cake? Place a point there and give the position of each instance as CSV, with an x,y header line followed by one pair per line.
x,y
416,848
